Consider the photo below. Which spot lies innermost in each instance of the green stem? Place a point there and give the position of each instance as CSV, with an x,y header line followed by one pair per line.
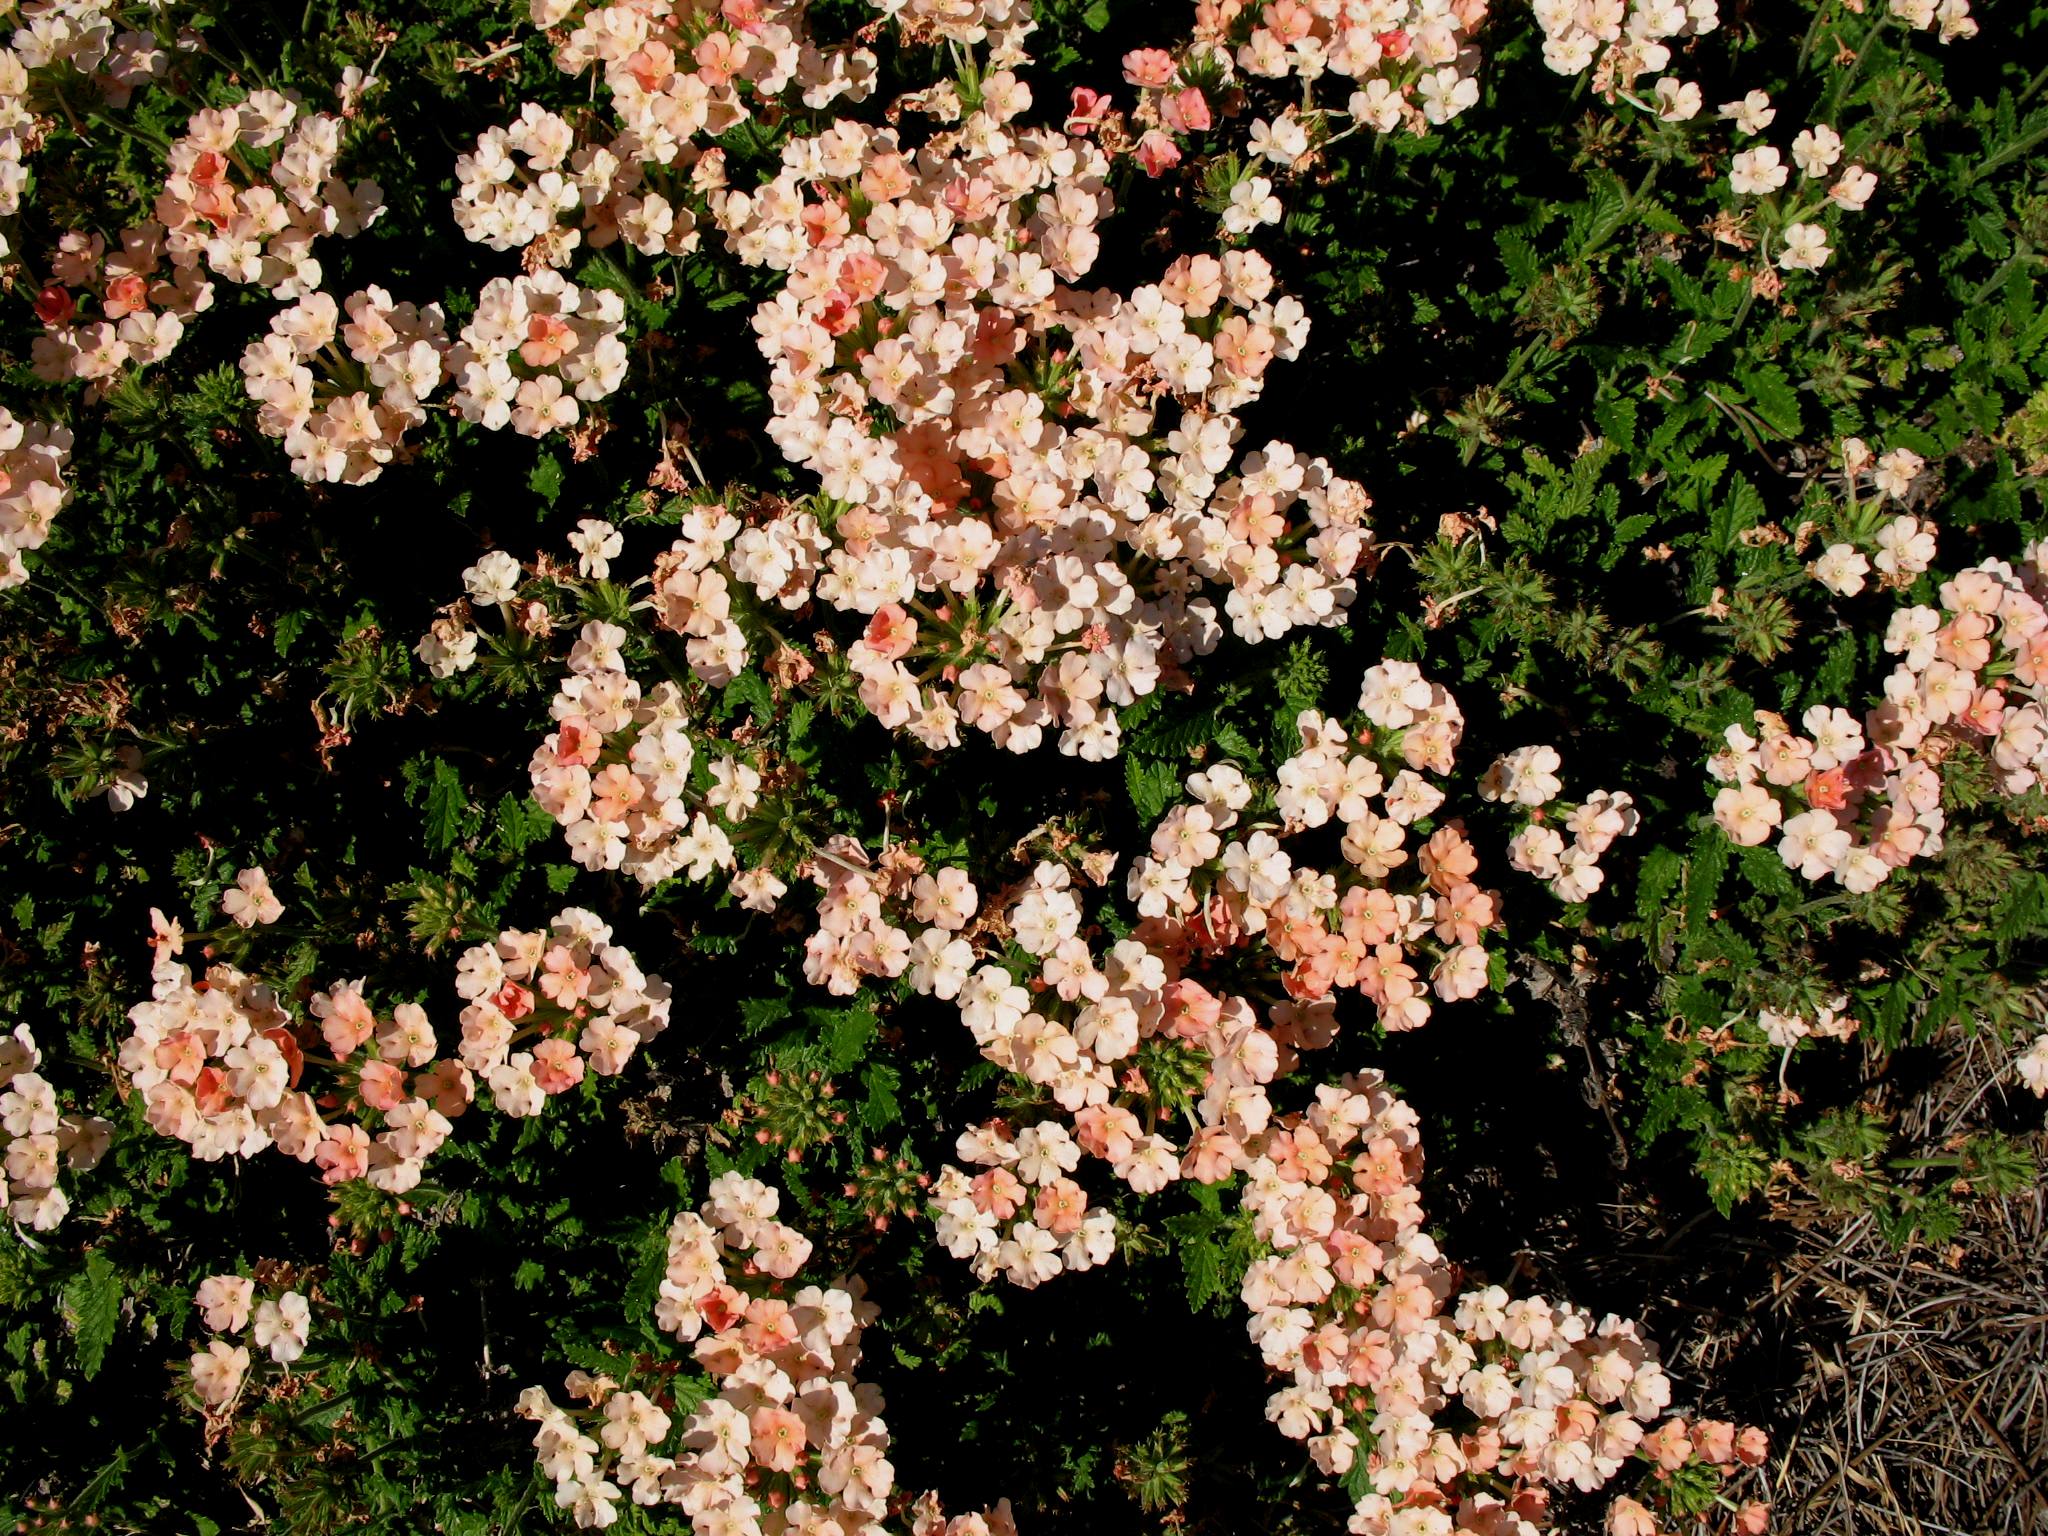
x,y
140,135
1812,36
1520,361
1840,89
1997,279
2012,151
2033,85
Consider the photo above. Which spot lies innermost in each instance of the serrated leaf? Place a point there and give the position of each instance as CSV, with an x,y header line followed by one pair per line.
x,y
1704,868
1655,883
1734,1170
100,1484
1152,786
2021,914
847,1033
1626,535
1233,743
92,1308
445,803
879,1109
1518,256
759,1013
1772,397
1616,419
545,479
1201,1259
1765,870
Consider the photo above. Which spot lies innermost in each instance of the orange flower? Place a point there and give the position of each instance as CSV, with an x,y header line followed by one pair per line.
x,y
778,1438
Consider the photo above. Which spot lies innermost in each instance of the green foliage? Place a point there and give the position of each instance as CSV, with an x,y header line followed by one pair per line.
x,y
91,1308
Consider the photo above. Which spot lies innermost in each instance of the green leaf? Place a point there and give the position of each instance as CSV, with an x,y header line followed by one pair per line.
x,y
1772,397
879,1109
1518,256
520,824
545,480
1767,872
1201,1259
1734,1170
2021,914
1232,742
102,1483
445,804
92,1307
1626,535
1616,419
846,1034
1654,885
289,627
1153,786
759,1013
1709,861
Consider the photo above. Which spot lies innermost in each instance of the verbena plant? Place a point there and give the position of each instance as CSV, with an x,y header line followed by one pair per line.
x,y
768,702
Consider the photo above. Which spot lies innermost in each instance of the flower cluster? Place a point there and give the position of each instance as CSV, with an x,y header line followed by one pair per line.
x,y
1527,777
39,1140
1354,1304
227,1304
1622,43
58,39
248,190
535,347
1022,1217
692,596
616,773
511,189
787,1439
33,490
999,25
1819,156
676,77
1140,1033
624,775
345,423
1347,927
219,1059
1785,1029
633,789
1410,63
854,937
674,73
1855,800
624,772
134,313
570,991
1950,19
1868,533
261,231
993,500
